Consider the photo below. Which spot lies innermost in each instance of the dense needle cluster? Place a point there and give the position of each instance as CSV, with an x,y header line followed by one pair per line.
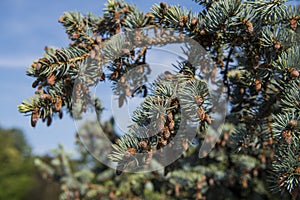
x,y
255,52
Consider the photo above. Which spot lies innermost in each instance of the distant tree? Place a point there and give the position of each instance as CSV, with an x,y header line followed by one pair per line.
x,y
19,178
16,170
253,59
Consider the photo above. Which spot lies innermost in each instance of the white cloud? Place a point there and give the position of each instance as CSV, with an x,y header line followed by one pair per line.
x,y
17,62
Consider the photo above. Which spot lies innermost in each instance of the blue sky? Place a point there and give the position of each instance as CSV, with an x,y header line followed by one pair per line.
x,y
27,26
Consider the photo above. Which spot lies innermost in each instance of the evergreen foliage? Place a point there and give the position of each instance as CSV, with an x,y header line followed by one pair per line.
x,y
255,47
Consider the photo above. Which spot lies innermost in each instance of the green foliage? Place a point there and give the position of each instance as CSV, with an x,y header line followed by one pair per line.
x,y
16,170
18,176
235,176
254,45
